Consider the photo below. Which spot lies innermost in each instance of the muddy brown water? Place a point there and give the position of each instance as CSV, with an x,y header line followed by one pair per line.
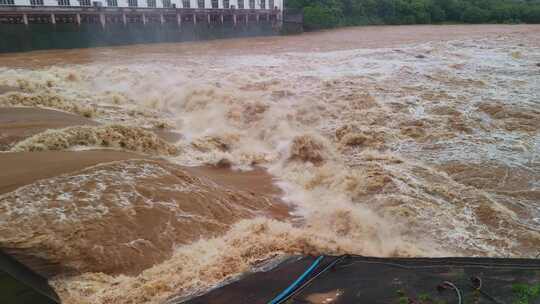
x,y
378,150
331,40
122,215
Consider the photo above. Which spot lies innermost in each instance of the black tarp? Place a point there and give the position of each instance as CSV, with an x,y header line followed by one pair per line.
x,y
20,285
359,280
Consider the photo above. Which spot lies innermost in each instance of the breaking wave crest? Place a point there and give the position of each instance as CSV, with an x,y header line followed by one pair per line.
x,y
46,100
112,136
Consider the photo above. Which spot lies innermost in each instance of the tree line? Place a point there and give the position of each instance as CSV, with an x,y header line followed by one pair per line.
x,y
319,14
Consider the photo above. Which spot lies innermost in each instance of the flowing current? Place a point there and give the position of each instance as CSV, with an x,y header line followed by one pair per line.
x,y
404,141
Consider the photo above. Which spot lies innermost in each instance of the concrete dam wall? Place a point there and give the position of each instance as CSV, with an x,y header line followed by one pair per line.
x,y
31,28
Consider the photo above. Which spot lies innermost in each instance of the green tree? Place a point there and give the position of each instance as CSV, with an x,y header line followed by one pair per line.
x,y
474,14
532,15
320,14
437,13
386,9
404,13
453,9
421,9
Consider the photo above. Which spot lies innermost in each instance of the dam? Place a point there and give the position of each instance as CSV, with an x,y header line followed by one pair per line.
x,y
46,24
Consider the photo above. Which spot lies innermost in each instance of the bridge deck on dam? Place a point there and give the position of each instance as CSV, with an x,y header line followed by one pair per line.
x,y
115,15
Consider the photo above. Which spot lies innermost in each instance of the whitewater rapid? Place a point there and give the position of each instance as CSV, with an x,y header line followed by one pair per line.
x,y
427,149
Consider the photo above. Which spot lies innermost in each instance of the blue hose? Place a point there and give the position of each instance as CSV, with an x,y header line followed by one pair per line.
x,y
295,284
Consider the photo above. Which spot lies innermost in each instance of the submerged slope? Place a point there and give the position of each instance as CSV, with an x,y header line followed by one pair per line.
x,y
119,217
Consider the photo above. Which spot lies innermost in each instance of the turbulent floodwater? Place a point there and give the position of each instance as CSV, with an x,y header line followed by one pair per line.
x,y
424,146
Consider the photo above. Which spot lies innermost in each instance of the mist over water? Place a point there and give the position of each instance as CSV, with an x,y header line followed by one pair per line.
x,y
422,149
